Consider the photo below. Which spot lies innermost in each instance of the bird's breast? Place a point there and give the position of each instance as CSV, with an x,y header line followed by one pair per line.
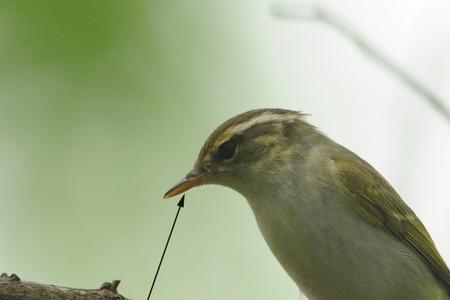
x,y
334,255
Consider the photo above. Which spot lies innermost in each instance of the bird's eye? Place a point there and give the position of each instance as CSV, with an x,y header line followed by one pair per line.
x,y
227,149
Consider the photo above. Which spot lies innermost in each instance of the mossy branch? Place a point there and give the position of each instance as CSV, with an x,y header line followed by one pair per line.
x,y
12,288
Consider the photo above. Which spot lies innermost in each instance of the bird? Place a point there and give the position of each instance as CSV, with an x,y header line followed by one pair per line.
x,y
336,226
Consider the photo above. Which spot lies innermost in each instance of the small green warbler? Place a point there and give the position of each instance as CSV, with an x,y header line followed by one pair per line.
x,y
334,223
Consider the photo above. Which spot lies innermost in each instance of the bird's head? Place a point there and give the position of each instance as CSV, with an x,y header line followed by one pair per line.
x,y
250,149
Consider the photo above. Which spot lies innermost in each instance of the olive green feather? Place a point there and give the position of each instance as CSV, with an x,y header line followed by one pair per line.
x,y
377,201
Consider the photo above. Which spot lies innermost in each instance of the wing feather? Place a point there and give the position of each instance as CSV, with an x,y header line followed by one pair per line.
x,y
376,201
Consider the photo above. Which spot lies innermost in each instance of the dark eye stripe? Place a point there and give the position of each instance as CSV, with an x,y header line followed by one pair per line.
x,y
227,149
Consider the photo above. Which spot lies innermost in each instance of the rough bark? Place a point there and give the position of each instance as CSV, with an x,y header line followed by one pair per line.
x,y
12,288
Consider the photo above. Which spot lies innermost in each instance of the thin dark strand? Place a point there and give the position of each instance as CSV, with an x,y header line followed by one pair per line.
x,y
164,253
320,14
433,100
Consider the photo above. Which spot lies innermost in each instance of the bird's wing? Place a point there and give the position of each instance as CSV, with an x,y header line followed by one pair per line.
x,y
376,201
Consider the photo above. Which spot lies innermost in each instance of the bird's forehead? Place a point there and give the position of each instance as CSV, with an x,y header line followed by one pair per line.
x,y
240,124
244,124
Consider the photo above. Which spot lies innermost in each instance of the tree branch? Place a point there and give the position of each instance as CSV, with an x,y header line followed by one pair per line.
x,y
12,288
317,13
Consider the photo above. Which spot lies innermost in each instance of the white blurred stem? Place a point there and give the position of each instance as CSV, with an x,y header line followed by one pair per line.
x,y
317,13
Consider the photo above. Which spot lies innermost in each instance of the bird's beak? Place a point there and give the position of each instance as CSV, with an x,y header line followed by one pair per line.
x,y
191,180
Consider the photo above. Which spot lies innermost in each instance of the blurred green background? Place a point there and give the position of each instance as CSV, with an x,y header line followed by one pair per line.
x,y
105,104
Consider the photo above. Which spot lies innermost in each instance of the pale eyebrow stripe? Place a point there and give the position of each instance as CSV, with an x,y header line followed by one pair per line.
x,y
262,118
265,117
